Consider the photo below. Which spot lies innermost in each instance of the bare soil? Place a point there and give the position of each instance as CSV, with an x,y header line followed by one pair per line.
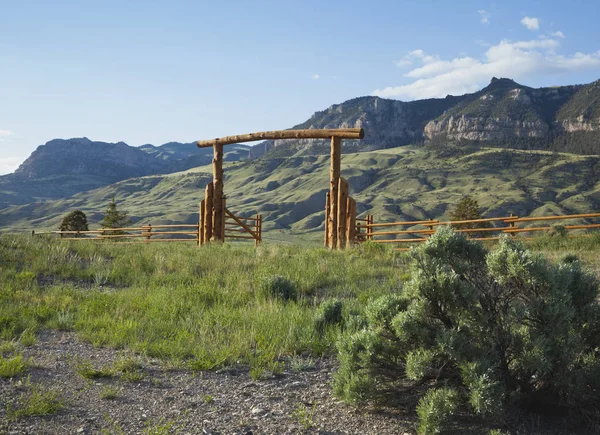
x,y
183,401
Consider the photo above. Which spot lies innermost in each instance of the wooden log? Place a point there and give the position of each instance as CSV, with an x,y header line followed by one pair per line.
x,y
148,231
350,222
334,179
208,213
546,218
327,220
245,227
218,215
393,224
201,214
241,237
258,229
341,217
344,133
223,208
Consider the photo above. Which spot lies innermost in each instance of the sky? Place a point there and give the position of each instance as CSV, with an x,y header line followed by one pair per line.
x,y
154,71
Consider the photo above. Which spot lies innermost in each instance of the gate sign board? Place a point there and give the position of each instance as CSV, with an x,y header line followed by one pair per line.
x,y
340,210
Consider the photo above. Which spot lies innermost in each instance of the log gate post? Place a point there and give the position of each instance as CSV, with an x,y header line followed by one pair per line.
x,y
340,209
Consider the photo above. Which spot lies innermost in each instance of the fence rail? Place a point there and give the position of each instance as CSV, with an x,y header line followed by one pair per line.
x,y
508,225
169,233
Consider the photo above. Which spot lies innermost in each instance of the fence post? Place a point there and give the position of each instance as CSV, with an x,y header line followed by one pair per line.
x,y
430,228
369,229
257,231
341,217
334,179
202,212
511,225
223,218
208,213
327,218
350,222
218,197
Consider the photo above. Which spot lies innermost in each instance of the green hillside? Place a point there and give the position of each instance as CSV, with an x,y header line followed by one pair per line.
x,y
400,183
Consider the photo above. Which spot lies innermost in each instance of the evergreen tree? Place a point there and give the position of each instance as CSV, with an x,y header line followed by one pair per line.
x,y
468,209
74,221
114,218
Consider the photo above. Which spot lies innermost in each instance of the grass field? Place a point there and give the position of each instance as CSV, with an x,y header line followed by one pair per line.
x,y
196,308
200,307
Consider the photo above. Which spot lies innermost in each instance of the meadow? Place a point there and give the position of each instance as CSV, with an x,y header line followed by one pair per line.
x,y
200,309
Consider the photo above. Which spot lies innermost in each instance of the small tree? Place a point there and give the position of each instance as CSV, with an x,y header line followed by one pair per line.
x,y
468,209
114,218
74,221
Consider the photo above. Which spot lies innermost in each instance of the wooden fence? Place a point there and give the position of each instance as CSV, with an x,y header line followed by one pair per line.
x,y
234,228
420,231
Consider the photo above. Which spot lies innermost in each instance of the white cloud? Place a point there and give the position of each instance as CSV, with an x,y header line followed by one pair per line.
x,y
519,60
484,16
9,164
5,133
558,34
316,76
531,23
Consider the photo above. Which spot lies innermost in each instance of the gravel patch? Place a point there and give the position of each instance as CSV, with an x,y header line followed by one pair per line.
x,y
182,401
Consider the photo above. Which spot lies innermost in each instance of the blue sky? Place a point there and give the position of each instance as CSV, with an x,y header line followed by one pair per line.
x,y
156,71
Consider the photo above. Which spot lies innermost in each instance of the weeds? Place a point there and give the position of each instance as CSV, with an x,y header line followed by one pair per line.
x,y
305,415
110,392
38,401
87,370
11,367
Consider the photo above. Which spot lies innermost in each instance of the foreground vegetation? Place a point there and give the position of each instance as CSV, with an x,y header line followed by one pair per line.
x,y
205,308
222,305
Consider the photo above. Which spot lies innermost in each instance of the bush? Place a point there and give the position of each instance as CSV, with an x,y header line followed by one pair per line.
x,y
435,410
74,221
277,287
329,314
501,328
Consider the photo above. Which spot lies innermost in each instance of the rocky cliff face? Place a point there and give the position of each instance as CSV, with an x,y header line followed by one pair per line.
x,y
502,113
387,124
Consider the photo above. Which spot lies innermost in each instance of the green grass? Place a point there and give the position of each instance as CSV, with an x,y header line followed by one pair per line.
x,y
13,366
110,392
38,401
87,370
196,307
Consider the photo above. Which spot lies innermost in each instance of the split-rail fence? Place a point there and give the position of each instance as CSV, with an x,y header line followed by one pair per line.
x,y
414,232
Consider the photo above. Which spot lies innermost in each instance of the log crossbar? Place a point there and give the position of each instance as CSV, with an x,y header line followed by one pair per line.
x,y
342,133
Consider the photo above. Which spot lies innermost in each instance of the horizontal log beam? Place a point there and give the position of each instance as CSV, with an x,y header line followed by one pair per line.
x,y
344,133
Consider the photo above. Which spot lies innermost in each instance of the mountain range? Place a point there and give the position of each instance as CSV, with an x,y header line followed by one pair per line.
x,y
63,174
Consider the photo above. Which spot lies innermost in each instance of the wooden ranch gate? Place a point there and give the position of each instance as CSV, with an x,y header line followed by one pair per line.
x,y
340,208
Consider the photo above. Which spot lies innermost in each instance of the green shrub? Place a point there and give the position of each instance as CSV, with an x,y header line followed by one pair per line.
x,y
435,410
501,328
328,314
277,287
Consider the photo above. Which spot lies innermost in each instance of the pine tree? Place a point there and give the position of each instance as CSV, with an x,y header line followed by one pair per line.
x,y
74,221
468,209
114,218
